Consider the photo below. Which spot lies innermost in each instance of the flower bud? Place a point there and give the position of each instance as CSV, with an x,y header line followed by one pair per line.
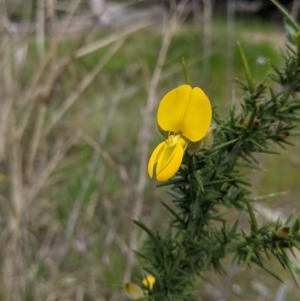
x,y
149,281
259,87
133,291
256,124
284,134
241,121
283,232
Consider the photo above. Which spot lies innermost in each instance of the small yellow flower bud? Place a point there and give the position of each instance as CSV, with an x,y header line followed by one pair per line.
x,y
149,281
283,232
133,291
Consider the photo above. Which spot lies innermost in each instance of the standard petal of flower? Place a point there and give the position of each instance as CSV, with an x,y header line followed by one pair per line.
x,y
133,290
197,117
172,108
170,162
154,157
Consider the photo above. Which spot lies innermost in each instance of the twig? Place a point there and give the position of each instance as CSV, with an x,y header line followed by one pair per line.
x,y
87,80
16,174
120,170
53,76
35,189
82,193
72,10
93,166
109,40
230,47
207,32
45,95
8,84
40,28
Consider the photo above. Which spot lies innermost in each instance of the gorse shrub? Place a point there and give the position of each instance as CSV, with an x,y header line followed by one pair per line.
x,y
203,176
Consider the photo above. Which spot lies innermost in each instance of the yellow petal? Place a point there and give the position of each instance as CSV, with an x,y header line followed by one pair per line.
x,y
149,281
153,158
164,157
133,291
172,108
185,110
197,117
170,161
163,133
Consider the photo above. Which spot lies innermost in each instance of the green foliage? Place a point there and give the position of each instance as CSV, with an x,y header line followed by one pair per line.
x,y
199,235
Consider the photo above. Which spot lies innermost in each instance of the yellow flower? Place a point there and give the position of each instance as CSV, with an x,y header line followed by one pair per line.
x,y
149,281
185,113
133,291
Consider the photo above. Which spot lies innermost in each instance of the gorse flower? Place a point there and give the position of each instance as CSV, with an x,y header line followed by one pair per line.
x,y
149,281
185,114
135,292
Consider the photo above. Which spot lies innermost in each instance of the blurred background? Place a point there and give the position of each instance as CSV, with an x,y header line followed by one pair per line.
x,y
80,82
